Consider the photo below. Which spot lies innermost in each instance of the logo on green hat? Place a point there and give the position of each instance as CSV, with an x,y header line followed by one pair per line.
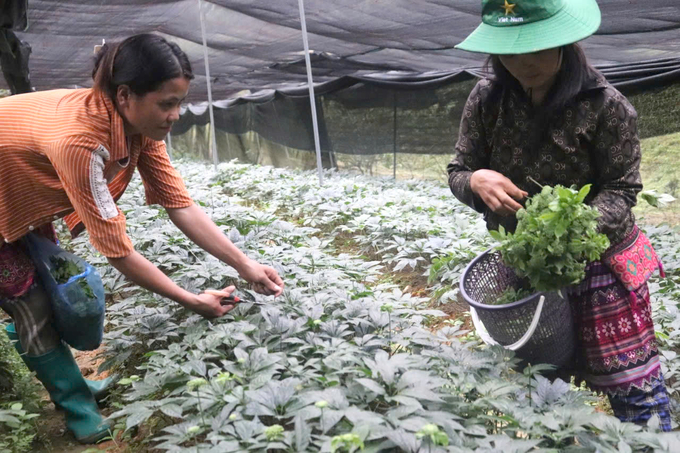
x,y
503,13
509,8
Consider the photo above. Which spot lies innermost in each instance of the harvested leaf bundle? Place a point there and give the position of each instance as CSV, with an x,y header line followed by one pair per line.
x,y
62,271
556,237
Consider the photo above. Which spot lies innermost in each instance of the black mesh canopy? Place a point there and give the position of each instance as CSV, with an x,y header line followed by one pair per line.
x,y
389,79
256,44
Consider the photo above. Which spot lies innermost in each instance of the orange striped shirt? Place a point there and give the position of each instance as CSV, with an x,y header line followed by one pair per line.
x,y
63,153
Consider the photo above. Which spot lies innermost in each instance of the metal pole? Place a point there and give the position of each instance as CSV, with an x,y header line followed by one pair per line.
x,y
213,141
394,139
312,100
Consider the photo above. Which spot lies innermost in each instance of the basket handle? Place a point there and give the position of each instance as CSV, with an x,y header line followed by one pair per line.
x,y
486,338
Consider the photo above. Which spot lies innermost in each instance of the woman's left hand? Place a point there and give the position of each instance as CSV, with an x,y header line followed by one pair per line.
x,y
264,279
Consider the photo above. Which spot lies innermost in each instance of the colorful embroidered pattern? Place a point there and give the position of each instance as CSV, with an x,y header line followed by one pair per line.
x,y
633,261
616,333
17,272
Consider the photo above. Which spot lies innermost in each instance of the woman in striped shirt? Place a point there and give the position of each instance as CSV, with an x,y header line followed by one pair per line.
x,y
71,154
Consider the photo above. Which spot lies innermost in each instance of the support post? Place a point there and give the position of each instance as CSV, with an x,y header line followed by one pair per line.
x,y
312,100
213,140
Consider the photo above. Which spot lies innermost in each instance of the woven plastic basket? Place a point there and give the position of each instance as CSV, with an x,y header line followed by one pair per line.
x,y
539,328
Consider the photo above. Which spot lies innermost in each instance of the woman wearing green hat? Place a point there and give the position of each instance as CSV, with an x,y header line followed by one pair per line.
x,y
546,114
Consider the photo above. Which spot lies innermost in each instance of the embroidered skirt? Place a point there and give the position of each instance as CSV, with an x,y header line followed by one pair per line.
x,y
618,348
17,272
613,316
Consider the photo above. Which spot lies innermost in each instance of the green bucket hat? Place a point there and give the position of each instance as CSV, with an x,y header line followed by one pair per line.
x,y
526,26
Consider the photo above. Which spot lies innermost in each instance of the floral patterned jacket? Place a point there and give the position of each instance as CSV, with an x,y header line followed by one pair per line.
x,y
593,141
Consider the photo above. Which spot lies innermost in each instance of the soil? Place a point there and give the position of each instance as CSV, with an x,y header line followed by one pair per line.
x,y
455,310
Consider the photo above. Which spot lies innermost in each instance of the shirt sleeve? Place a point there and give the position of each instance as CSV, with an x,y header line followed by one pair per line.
x,y
162,182
472,150
79,163
617,158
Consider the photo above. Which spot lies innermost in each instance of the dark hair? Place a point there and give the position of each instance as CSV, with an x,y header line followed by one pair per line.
x,y
572,75
142,62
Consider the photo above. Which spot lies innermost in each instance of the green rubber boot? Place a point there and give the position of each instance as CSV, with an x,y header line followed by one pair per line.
x,y
59,373
99,389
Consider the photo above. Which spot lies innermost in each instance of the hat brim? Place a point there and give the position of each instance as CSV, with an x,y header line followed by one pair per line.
x,y
577,20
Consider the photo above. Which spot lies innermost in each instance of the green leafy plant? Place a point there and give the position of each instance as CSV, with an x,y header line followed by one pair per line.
x,y
274,432
20,400
346,443
656,199
432,435
17,430
511,295
63,269
556,237
325,361
196,384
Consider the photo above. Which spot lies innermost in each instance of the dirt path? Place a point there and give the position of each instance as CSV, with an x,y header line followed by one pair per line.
x,y
51,430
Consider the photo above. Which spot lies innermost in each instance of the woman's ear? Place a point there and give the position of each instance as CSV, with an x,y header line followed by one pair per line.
x,y
123,95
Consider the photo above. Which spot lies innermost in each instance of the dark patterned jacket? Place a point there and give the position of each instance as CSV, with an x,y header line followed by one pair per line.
x,y
593,141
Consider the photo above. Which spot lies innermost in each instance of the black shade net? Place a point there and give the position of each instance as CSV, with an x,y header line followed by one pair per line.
x,y
389,79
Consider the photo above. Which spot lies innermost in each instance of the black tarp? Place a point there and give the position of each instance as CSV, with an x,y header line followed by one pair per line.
x,y
14,53
389,79
256,44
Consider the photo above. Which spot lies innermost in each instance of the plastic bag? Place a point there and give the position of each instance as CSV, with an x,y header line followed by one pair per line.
x,y
78,304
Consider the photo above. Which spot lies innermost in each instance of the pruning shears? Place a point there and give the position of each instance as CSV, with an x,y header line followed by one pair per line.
x,y
227,299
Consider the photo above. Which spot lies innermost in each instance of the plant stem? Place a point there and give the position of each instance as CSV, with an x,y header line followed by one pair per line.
x,y
212,202
531,402
389,316
200,409
534,181
112,437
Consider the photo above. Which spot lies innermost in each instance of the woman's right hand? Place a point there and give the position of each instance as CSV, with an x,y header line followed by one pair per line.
x,y
139,270
497,191
209,304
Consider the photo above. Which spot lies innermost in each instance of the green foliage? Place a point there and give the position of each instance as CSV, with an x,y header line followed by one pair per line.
x,y
556,237
666,306
511,295
656,199
433,435
339,362
19,402
17,431
63,269
658,110
274,432
346,443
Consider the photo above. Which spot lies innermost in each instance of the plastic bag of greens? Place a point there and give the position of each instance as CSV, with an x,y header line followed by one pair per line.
x,y
75,290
